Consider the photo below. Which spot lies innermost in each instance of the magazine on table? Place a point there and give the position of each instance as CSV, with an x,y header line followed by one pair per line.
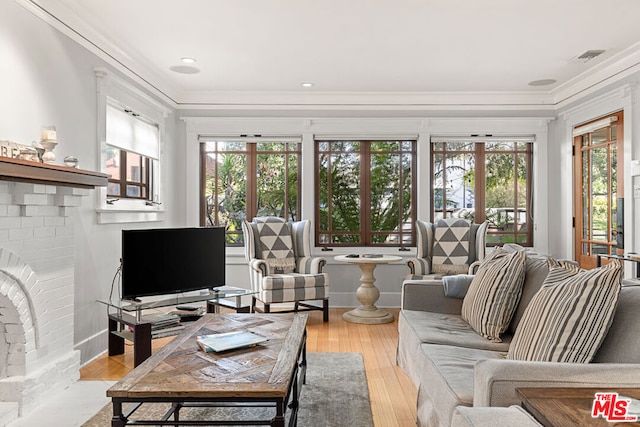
x,y
229,341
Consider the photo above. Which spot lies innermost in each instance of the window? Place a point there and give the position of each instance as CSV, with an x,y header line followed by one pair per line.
x,y
484,181
132,145
365,192
128,174
131,132
241,180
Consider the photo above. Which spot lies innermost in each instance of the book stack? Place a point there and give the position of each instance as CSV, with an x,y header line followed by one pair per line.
x,y
229,341
189,314
163,325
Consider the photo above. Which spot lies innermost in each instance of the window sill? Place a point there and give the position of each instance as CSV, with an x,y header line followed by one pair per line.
x,y
118,216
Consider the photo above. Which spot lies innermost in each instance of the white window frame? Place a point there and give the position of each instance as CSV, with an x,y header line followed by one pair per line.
x,y
115,92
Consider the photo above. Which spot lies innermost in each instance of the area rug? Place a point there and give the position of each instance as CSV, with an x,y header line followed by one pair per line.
x,y
335,394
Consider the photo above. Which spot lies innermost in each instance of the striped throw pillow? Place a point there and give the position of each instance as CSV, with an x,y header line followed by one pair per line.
x,y
569,317
494,293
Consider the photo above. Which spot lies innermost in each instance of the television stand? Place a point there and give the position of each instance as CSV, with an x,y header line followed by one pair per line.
x,y
126,321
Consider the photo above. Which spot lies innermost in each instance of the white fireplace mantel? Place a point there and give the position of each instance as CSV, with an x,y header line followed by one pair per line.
x,y
42,173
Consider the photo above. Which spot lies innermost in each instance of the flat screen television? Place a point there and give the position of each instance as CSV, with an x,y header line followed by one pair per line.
x,y
172,260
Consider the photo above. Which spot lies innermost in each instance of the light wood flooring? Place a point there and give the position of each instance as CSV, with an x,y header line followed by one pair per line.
x,y
393,395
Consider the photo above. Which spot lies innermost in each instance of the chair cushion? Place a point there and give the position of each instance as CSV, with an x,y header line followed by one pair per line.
x,y
294,280
451,246
569,317
494,293
276,244
294,287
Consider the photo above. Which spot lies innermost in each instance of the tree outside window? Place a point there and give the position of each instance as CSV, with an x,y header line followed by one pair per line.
x,y
365,193
242,180
485,181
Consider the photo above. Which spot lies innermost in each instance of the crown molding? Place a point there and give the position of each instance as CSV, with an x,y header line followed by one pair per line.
x,y
68,23
621,65
367,100
61,17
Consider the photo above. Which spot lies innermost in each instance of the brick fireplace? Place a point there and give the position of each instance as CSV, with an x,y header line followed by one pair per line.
x,y
37,355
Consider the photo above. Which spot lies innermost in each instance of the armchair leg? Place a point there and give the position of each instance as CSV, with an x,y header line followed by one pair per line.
x,y
253,304
267,308
325,310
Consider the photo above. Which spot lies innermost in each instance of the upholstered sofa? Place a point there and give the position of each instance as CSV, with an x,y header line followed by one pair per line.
x,y
462,376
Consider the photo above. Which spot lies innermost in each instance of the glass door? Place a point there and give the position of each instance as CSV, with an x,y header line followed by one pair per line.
x,y
598,183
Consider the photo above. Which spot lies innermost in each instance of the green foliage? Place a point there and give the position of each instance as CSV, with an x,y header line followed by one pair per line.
x,y
226,185
340,186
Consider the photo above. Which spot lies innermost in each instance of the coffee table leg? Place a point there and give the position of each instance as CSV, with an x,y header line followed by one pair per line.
x,y
278,420
176,412
118,419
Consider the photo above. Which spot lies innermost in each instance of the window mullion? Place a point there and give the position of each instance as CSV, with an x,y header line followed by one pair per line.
x,y
516,205
529,193
252,180
365,192
123,173
480,185
286,182
203,184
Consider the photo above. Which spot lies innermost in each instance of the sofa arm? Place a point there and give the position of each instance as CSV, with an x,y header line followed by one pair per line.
x,y
428,295
496,380
419,266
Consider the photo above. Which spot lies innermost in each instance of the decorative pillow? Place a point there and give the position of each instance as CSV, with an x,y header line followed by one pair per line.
x,y
451,246
569,317
276,245
494,293
456,286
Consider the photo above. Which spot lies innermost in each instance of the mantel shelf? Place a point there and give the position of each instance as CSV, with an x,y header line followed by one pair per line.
x,y
42,173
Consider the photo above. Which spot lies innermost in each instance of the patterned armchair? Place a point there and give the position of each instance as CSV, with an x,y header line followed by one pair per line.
x,y
450,246
281,267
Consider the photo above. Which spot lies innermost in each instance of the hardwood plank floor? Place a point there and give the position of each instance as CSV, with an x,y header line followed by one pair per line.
x,y
393,395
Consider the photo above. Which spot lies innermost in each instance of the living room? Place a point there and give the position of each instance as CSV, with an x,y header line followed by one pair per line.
x,y
60,67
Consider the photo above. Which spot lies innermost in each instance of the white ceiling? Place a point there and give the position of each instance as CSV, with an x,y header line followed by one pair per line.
x,y
360,51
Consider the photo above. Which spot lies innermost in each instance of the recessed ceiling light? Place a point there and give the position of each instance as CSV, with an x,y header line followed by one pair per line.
x,y
185,69
188,60
543,82
307,84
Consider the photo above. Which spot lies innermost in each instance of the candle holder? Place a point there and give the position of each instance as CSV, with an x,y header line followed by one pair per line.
x,y
48,141
48,156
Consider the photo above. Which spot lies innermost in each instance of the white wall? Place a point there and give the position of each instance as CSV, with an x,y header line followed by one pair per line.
x,y
47,79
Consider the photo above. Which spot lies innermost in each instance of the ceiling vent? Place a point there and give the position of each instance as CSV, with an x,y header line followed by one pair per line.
x,y
589,55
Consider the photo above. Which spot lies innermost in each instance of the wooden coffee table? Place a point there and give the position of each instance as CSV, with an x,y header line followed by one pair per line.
x,y
567,407
268,375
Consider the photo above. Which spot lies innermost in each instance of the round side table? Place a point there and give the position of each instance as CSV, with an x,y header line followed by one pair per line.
x,y
367,292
